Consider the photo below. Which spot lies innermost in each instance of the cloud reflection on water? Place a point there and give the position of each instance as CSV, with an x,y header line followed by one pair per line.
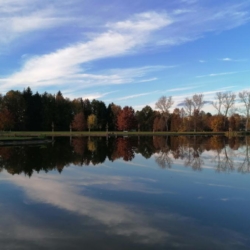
x,y
138,224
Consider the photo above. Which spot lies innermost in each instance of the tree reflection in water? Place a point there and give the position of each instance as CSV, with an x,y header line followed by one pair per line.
x,y
244,165
163,152
222,153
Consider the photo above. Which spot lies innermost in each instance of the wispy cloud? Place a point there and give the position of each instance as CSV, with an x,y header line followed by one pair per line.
x,y
182,88
228,59
95,37
142,23
111,215
134,96
149,79
65,65
90,96
219,74
18,18
197,20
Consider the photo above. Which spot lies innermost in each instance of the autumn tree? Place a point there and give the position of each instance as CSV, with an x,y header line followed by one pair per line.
x,y
6,119
217,123
92,122
79,122
164,104
245,99
159,123
126,119
155,123
176,120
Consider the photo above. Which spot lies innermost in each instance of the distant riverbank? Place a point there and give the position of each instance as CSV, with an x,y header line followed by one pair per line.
x,y
41,135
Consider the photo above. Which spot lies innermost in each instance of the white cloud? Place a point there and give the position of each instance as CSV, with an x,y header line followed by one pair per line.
x,y
226,59
118,219
18,18
182,11
103,39
96,95
143,22
65,65
198,20
219,74
134,96
149,79
183,88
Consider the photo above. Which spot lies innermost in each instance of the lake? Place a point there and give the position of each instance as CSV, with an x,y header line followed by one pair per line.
x,y
122,193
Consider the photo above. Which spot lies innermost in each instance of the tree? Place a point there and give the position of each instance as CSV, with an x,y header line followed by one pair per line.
x,y
126,119
112,112
63,112
218,103
48,111
176,120
164,104
14,102
77,106
159,123
79,122
86,107
228,102
193,107
99,109
245,99
217,123
145,118
92,122
6,119
205,120
198,103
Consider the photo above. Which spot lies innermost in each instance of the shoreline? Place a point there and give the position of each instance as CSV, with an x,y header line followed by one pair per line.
x,y
41,135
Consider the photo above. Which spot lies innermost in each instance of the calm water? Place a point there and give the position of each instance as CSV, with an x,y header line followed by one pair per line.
x,y
126,193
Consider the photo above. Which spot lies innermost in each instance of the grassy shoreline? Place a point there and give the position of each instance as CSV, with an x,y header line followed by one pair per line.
x,y
29,135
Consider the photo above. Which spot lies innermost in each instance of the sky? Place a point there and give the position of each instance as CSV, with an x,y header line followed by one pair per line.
x,y
127,52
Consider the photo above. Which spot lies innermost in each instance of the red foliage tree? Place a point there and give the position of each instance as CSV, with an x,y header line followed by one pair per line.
x,y
126,119
79,122
6,119
159,124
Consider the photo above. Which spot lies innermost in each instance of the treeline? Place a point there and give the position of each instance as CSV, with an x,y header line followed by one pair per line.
x,y
85,151
25,111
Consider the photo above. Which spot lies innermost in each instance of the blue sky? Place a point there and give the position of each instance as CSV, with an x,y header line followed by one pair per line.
x,y
128,52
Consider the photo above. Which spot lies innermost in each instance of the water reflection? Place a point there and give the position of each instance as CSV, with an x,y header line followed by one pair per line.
x,y
126,202
222,153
